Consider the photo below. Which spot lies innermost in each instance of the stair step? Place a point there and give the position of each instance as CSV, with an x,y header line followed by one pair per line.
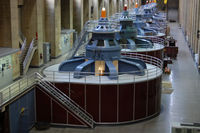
x,y
62,98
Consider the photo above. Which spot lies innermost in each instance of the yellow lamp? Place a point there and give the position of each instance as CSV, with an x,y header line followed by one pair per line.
x,y
103,12
136,5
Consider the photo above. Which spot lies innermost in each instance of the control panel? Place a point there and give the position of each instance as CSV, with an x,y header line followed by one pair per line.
x,y
5,71
65,43
66,40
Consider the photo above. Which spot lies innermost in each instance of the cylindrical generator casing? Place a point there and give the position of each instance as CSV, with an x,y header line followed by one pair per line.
x,y
128,99
108,104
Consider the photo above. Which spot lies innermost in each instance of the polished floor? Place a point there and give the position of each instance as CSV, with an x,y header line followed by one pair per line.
x,y
182,105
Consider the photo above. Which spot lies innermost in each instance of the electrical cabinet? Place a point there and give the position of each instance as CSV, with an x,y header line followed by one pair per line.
x,y
9,66
66,40
6,70
47,51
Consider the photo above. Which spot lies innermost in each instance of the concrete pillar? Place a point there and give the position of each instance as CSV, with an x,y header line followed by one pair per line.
x,y
38,56
53,26
128,4
94,9
71,14
131,4
100,5
14,18
90,8
113,7
107,6
9,26
198,28
57,33
67,14
139,3
78,15
29,17
121,4
86,10
198,44
196,25
32,23
5,24
117,5
110,7
114,10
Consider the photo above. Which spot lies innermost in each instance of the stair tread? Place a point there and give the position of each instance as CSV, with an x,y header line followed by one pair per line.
x,y
67,103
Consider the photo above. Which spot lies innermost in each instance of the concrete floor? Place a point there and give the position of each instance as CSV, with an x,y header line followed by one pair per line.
x,y
182,105
173,14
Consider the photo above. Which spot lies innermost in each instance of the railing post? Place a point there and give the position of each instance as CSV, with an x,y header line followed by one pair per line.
x,y
27,81
9,93
53,76
1,98
19,86
69,77
35,77
99,79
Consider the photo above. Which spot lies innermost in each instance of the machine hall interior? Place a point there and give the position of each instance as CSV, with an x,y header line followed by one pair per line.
x,y
99,66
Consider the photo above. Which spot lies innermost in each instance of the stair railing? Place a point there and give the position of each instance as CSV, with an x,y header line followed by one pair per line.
x,y
65,100
28,53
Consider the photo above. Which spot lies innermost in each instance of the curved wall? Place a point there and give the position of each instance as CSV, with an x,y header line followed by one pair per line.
x,y
108,104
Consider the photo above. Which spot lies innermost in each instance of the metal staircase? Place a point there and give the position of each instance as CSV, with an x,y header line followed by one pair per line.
x,y
27,55
23,50
82,39
20,87
65,101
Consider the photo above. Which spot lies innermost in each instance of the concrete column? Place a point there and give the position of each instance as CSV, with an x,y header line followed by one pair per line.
x,y
193,24
100,5
92,9
53,25
139,3
128,4
95,8
67,14
131,4
107,6
29,18
14,18
9,26
114,7
86,10
117,5
199,30
78,15
196,25
71,14
38,56
121,4
110,7
5,24
57,33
